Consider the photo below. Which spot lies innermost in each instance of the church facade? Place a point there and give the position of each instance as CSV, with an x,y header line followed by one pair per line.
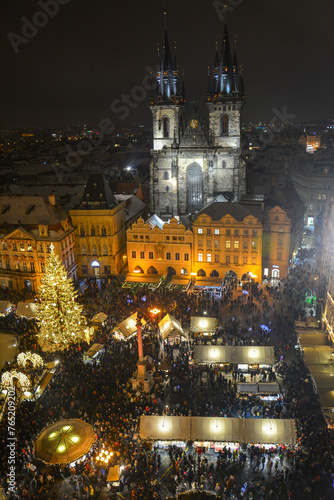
x,y
193,163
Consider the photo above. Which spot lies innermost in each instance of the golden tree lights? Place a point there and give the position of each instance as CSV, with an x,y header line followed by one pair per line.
x,y
59,316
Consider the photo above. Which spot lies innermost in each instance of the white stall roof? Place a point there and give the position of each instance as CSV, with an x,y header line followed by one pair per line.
x,y
318,355
327,399
99,317
5,306
235,354
169,327
128,327
313,339
252,430
203,324
323,381
27,309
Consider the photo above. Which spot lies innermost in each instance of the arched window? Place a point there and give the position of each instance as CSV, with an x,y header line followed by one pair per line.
x,y
184,271
201,272
103,231
92,231
82,231
94,250
166,126
84,250
105,250
224,125
166,175
167,189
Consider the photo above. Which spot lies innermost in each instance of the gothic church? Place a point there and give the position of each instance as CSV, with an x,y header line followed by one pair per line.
x,y
192,164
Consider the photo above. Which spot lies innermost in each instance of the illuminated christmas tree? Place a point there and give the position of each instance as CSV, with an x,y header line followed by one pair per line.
x,y
59,316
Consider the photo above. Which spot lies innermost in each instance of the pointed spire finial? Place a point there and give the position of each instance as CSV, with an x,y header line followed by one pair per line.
x,y
165,15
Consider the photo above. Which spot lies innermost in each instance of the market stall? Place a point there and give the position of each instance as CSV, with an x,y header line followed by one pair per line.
x,y
27,309
203,325
313,339
6,307
171,328
213,429
93,353
99,319
128,327
318,355
249,356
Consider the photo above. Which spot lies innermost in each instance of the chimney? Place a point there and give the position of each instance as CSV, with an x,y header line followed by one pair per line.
x,y
52,199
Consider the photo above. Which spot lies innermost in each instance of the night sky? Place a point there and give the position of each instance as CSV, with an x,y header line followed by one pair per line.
x,y
91,52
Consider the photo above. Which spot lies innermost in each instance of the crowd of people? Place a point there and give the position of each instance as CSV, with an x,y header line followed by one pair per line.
x,y
103,396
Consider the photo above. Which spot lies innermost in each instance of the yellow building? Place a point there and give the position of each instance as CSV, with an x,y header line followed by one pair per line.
x,y
28,227
157,248
227,242
277,243
100,230
327,267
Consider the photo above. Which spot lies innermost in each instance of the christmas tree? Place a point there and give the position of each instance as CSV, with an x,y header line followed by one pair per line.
x,y
59,315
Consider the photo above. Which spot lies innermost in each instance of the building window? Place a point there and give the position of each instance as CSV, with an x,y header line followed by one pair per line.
x,y
25,267
142,255
236,243
22,249
253,245
208,243
228,244
84,269
253,261
84,250
245,244
14,247
48,248
134,254
216,243
279,255
276,217
29,247
82,231
319,196
208,231
43,267
103,231
200,243
135,236
236,259
208,257
280,229
236,232
168,256
200,230
166,126
186,257
106,269
224,125
7,264
216,257
244,260
166,175
228,232
150,255
167,189
245,232
105,250
92,231
174,238
254,232
216,231
177,256
280,242
4,245
228,259
94,250
200,257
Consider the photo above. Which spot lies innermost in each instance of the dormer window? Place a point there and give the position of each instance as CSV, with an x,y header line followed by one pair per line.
x,y
43,230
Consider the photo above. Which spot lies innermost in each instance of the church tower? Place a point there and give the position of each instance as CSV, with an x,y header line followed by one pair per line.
x,y
225,100
192,162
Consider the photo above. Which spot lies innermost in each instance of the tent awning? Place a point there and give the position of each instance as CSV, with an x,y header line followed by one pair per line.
x,y
143,279
235,354
27,309
327,399
99,317
113,474
202,324
93,350
128,327
323,381
219,429
170,326
318,355
5,306
313,339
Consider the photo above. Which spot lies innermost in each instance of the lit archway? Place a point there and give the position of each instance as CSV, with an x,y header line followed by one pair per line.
x,y
138,270
96,268
230,276
201,272
184,271
275,273
170,271
214,274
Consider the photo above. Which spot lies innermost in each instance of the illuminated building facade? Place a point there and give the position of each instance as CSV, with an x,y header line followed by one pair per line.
x,y
28,226
193,163
327,267
100,230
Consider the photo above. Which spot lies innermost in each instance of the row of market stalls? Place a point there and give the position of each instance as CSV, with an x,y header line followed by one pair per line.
x,y
25,309
318,354
213,430
169,328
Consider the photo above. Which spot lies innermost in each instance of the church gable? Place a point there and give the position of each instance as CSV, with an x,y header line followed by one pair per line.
x,y
19,234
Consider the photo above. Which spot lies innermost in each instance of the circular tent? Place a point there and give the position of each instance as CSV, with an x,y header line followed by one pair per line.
x,y
65,441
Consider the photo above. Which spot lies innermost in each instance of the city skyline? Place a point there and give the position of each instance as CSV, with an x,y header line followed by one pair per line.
x,y
64,64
